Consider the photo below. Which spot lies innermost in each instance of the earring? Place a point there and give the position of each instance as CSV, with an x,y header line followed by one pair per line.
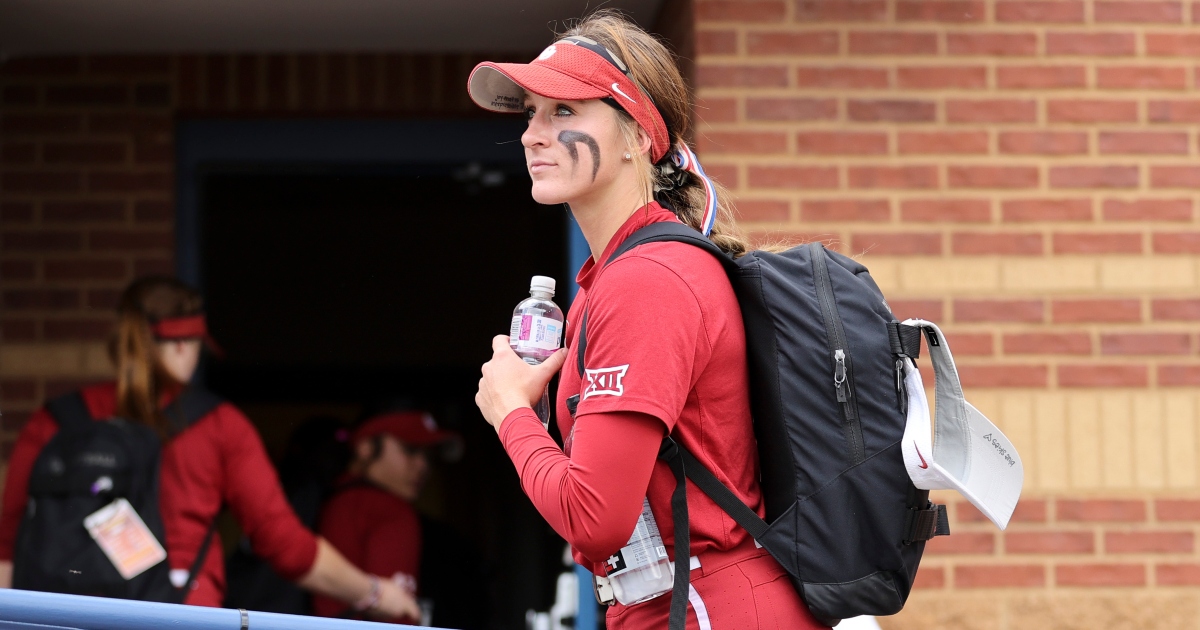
x,y
628,157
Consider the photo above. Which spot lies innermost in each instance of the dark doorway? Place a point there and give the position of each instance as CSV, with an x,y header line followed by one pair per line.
x,y
330,286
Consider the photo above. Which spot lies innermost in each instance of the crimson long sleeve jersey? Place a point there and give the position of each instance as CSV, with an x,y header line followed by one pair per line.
x,y
666,353
219,460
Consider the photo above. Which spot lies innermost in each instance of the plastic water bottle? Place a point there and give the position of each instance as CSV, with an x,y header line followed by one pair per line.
x,y
536,332
641,569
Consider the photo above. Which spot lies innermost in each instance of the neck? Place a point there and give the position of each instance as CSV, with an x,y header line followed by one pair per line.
x,y
601,213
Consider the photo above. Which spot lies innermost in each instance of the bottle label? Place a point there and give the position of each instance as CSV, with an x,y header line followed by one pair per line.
x,y
533,332
645,546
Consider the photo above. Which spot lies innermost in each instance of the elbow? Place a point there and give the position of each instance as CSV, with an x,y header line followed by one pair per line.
x,y
604,540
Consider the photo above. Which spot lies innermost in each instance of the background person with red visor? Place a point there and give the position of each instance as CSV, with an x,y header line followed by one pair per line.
x,y
370,518
666,351
216,460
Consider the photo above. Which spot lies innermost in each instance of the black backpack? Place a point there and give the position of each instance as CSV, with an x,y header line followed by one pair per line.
x,y
827,396
54,552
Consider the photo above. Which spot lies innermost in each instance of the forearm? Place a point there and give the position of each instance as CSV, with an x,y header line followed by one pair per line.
x,y
5,574
333,576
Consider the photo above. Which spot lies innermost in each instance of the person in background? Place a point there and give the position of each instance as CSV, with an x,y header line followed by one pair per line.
x,y
217,460
370,518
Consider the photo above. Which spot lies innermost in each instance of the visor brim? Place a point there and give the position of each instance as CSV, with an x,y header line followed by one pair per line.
x,y
501,87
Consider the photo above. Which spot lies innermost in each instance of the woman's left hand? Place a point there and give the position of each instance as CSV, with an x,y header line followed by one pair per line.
x,y
509,383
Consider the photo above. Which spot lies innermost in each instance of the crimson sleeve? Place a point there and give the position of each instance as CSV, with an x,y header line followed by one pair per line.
x,y
37,432
592,498
256,499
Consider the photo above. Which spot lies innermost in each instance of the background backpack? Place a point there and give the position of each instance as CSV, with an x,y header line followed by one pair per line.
x,y
826,360
54,552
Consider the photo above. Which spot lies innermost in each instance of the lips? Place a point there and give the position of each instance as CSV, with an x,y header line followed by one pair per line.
x,y
538,166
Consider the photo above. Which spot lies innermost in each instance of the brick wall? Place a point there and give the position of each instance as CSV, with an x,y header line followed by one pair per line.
x,y
1025,173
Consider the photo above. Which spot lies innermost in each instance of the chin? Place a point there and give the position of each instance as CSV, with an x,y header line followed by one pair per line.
x,y
549,193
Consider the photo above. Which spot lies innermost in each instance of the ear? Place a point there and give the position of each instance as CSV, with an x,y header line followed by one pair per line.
x,y
644,142
362,450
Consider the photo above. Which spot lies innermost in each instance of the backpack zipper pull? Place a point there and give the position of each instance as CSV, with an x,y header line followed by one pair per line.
x,y
839,373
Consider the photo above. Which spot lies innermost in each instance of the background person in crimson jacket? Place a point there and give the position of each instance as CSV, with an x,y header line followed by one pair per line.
x,y
370,518
218,460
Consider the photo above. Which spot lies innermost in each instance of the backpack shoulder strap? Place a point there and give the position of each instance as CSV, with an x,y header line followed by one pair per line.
x,y
192,404
69,411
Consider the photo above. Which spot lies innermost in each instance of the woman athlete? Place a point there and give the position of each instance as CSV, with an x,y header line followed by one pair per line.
x,y
218,460
666,352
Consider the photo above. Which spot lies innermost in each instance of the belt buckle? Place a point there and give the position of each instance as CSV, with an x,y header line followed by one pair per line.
x,y
602,587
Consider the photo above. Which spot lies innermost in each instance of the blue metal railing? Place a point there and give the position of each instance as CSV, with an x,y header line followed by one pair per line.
x,y
29,610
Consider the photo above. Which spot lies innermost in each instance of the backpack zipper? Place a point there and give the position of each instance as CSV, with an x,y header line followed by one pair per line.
x,y
843,366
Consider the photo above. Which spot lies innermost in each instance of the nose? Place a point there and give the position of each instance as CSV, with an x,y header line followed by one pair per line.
x,y
537,133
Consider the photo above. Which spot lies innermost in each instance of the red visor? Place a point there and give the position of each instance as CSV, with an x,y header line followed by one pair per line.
x,y
415,428
188,327
570,71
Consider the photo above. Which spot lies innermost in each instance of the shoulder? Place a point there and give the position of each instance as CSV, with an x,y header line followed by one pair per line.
x,y
101,399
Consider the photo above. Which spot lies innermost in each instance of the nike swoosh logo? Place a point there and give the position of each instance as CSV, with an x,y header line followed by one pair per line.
x,y
923,463
616,88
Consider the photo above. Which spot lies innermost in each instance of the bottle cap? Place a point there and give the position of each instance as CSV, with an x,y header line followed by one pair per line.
x,y
542,283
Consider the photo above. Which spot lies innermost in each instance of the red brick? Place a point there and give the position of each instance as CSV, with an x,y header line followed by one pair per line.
x,y
18,153
792,43
103,299
1100,575
1055,210
1091,111
793,177
17,270
791,109
13,212
930,577
1173,44
1039,11
971,344
1030,511
1101,510
40,241
1003,375
1094,177
188,80
1148,210
1029,311
19,95
1145,343
841,11
999,576
1174,111
1091,44
77,329
1149,542
83,152
946,210
149,124
153,267
992,176
1043,142
901,177
1077,311
891,110
13,421
1141,78
14,390
1040,77
941,77
1047,343
17,330
1142,11
992,44
841,143
83,94
85,269
1103,376
1176,242
38,66
1098,243
1177,509
942,142
1178,375
962,543
1175,310
39,124
763,210
977,243
739,11
83,211
892,43
925,309
847,77
1177,575
724,174
129,240
130,181
217,79
722,42
741,76
40,181
1049,542
871,210
129,64
897,243
147,211
715,110
40,299
954,11
152,95
152,152
991,110
1175,176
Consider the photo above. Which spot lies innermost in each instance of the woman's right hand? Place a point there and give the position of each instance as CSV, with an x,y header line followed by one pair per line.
x,y
395,602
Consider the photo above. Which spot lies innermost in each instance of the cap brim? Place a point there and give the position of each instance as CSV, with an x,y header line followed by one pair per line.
x,y
501,87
